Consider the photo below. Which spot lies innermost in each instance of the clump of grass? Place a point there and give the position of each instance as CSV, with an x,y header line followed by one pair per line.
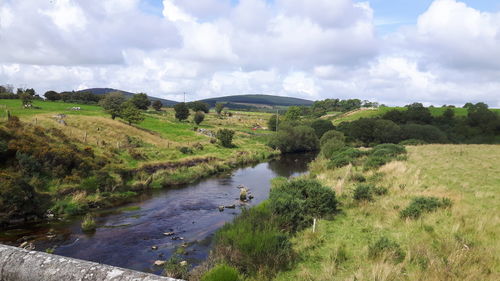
x,y
358,177
420,205
221,272
175,268
89,224
383,154
385,247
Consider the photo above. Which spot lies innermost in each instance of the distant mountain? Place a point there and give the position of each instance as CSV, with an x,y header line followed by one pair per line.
x,y
241,101
103,91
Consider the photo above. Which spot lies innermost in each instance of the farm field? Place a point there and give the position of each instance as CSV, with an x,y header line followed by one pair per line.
x,y
456,243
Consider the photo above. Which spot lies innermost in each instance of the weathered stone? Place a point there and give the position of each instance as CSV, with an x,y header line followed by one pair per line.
x,y
160,263
20,265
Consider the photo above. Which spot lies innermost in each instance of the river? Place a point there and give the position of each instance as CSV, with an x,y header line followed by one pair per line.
x,y
132,236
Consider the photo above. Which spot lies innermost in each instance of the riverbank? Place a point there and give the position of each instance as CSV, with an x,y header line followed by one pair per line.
x,y
114,162
375,240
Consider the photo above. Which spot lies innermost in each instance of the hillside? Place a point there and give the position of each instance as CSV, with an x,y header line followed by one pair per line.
x,y
338,118
455,243
103,91
252,101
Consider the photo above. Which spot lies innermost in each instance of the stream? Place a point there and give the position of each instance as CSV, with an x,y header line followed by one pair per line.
x,y
133,236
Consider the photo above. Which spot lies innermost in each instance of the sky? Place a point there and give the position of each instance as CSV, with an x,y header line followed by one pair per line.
x,y
389,51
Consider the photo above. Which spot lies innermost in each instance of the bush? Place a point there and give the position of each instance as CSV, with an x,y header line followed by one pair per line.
x,y
384,246
420,205
358,177
89,224
295,139
380,190
332,135
221,272
185,150
344,157
225,137
298,201
321,126
199,116
363,192
254,243
388,149
332,147
413,142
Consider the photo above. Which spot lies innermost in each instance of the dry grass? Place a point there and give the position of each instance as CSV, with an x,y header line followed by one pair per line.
x,y
459,243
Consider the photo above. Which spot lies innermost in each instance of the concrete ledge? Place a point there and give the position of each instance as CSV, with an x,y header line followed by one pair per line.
x,y
17,264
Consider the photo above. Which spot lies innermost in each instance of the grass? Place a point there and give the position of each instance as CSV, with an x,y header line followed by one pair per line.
x,y
155,142
369,113
459,242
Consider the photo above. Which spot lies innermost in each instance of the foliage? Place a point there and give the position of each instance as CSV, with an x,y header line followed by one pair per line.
x,y
332,135
130,113
140,101
219,107
363,192
174,268
298,201
199,106
273,122
294,139
221,272
88,224
157,105
332,147
185,150
321,126
388,248
199,116
254,243
420,205
52,95
293,113
112,104
383,154
225,137
181,111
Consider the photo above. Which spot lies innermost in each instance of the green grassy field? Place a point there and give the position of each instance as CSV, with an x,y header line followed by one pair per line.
x,y
368,113
459,243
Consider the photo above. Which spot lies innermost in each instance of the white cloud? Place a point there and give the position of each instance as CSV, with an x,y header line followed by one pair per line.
x,y
304,48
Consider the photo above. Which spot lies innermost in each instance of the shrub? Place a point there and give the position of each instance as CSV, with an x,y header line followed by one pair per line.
x,y
225,137
413,142
298,201
332,147
420,205
388,149
363,192
185,150
384,246
295,139
321,126
221,272
181,111
254,243
332,135
344,156
380,190
199,116
89,224
358,177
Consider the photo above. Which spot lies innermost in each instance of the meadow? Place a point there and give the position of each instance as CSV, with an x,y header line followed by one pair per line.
x,y
455,243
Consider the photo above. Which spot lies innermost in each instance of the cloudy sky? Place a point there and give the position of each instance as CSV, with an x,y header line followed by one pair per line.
x,y
390,51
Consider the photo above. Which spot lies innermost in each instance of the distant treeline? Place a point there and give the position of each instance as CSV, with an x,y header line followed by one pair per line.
x,y
480,125
7,92
322,107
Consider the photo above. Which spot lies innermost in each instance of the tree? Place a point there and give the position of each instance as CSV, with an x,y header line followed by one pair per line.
x,y
26,98
199,116
225,137
52,95
112,103
293,113
273,122
322,126
130,113
219,107
295,139
141,101
199,106
157,105
181,111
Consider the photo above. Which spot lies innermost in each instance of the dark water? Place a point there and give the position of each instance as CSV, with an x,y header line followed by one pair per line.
x,y
125,235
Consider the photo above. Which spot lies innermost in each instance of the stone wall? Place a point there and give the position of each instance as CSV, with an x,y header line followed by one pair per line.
x,y
17,264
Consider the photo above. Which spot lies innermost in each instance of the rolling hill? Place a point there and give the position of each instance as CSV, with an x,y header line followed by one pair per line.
x,y
253,101
103,91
